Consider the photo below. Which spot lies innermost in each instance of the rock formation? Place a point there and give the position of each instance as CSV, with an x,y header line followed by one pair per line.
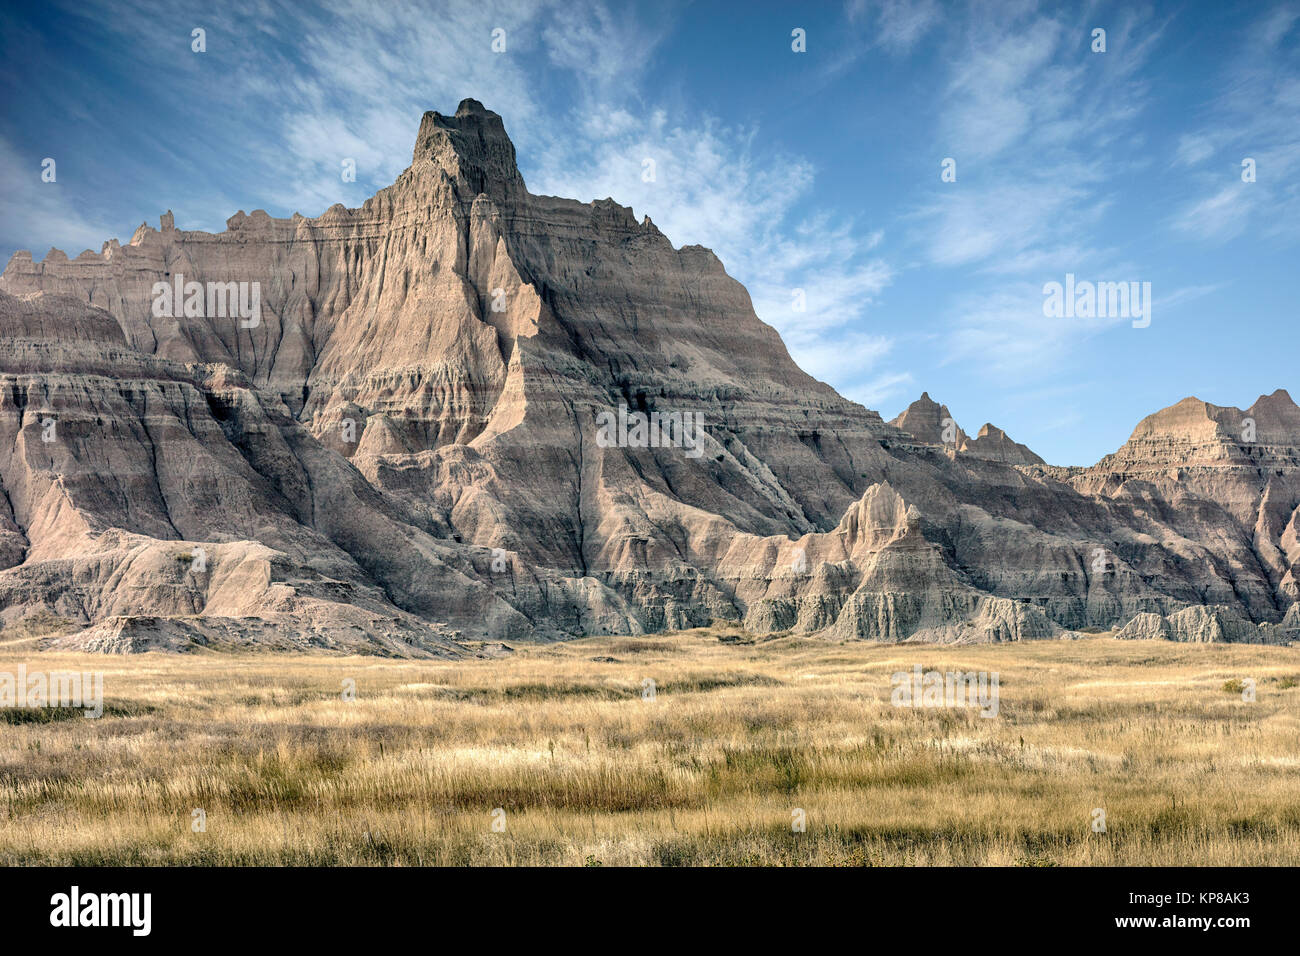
x,y
408,447
933,424
1203,625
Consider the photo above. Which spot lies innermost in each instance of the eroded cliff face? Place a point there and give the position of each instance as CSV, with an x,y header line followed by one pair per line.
x,y
404,449
1219,471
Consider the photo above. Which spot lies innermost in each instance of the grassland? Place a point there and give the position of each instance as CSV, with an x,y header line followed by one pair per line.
x,y
738,737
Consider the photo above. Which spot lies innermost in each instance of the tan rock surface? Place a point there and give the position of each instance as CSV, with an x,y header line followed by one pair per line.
x,y
404,451
1202,625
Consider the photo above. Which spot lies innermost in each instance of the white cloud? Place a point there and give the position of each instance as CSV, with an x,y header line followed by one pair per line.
x,y
1221,216
1257,116
877,392
1195,148
1003,332
1043,134
898,25
712,186
1001,87
1187,294
1003,224
1029,116
39,215
603,48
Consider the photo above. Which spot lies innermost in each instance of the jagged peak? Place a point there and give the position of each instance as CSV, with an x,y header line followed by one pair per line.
x,y
19,258
879,498
881,515
995,444
472,147
924,420
881,489
1277,417
924,402
1279,400
928,421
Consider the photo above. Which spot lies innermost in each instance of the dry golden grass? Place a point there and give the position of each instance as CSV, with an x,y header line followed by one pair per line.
x,y
709,772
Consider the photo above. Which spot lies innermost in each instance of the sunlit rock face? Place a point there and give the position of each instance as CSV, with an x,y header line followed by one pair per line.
x,y
402,449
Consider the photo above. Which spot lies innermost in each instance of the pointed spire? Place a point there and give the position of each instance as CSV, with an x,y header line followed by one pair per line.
x,y
472,148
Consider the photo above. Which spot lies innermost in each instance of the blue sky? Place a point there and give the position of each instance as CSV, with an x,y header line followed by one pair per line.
x,y
817,170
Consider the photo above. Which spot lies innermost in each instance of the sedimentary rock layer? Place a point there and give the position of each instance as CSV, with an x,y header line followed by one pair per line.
x,y
403,449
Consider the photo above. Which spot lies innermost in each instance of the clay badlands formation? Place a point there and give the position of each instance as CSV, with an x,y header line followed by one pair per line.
x,y
401,455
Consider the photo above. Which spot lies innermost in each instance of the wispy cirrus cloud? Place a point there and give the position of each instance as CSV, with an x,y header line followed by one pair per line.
x,y
41,211
1032,120
810,273
1041,132
897,25
1255,118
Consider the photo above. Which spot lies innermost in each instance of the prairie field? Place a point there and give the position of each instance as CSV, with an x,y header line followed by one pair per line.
x,y
553,755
